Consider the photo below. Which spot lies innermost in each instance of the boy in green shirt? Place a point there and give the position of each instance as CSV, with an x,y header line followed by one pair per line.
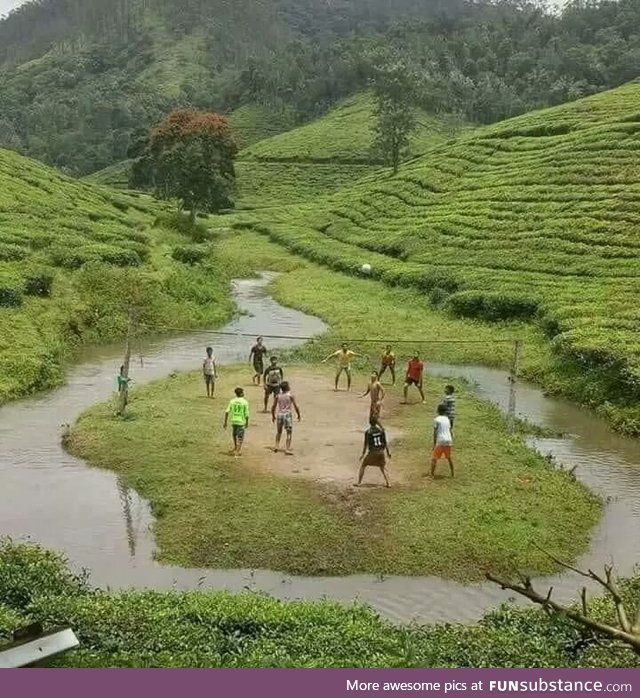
x,y
239,410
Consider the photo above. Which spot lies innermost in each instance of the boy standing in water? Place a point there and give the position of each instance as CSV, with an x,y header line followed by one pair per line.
x,y
210,372
442,440
282,415
388,362
256,357
343,357
415,373
238,411
377,393
374,450
449,401
273,377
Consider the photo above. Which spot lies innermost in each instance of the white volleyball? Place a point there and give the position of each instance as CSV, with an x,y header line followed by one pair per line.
x,y
366,269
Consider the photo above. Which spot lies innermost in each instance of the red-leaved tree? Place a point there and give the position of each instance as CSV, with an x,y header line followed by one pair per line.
x,y
192,154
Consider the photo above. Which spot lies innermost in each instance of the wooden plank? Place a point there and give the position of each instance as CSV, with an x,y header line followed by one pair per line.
x,y
20,654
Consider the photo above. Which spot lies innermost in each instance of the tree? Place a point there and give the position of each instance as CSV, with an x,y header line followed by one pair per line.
x,y
626,633
192,154
394,86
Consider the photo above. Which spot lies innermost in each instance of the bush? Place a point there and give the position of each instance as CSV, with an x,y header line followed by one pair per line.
x,y
182,224
10,293
190,254
28,572
38,283
12,253
493,307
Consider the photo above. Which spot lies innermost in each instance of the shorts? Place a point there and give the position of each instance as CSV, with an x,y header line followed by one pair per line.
x,y
209,380
441,451
375,459
285,421
346,369
258,367
374,411
271,390
413,381
238,431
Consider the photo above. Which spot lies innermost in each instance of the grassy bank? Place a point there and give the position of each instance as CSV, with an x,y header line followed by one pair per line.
x,y
76,259
216,629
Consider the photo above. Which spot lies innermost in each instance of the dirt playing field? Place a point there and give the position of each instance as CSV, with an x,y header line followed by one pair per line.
x,y
327,443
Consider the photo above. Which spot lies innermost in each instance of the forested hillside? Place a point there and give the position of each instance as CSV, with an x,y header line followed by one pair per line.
x,y
77,77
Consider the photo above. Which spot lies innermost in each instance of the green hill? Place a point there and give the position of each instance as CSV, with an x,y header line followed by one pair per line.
x,y
537,217
346,135
74,258
325,155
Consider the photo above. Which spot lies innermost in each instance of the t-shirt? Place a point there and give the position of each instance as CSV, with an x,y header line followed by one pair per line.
x,y
449,401
258,352
273,375
442,425
208,366
284,403
238,410
344,357
415,369
376,439
388,359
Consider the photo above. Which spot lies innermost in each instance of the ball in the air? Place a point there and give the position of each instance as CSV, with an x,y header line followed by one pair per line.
x,y
366,269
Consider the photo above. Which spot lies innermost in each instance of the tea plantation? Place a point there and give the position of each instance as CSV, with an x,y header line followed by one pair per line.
x,y
218,629
535,218
74,258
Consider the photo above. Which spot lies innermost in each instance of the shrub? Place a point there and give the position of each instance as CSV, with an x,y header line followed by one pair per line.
x,y
10,293
38,283
492,307
28,572
12,253
190,254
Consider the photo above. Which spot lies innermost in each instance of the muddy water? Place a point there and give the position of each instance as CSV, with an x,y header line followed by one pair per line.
x,y
52,498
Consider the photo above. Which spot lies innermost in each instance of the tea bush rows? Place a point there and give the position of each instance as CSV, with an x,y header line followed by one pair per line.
x,y
219,629
536,217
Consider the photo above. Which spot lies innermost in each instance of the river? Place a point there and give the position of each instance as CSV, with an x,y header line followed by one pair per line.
x,y
54,499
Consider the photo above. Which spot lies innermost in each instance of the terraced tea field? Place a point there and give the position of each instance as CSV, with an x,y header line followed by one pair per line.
x,y
72,257
537,217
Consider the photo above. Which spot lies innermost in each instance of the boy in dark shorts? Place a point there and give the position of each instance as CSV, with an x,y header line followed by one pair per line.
x,y
238,412
449,401
375,451
388,361
273,378
415,373
256,357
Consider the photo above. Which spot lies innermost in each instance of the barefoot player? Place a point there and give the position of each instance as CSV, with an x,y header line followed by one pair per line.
x,y
415,374
374,451
256,357
238,412
282,415
442,440
343,358
388,361
376,391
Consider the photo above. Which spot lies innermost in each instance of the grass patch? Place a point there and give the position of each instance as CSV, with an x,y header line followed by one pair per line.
x,y
215,512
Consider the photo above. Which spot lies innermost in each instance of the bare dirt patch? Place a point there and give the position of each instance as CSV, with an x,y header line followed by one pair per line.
x,y
327,443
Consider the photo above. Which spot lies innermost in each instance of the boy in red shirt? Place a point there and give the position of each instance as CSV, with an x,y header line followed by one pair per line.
x,y
415,372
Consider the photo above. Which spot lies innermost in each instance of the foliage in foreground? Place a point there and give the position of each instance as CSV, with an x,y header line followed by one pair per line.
x,y
218,629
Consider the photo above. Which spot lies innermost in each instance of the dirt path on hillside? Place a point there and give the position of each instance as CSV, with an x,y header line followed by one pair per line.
x,y
327,443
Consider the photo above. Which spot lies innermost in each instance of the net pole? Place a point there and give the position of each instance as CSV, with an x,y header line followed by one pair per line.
x,y
513,384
